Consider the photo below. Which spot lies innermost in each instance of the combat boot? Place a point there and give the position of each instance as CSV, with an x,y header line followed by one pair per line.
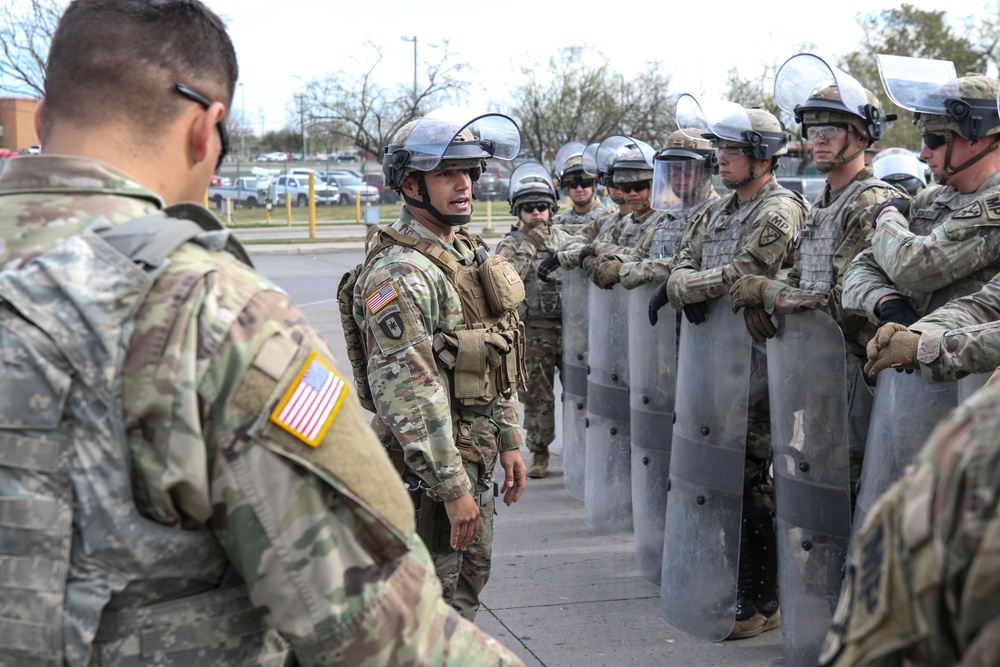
x,y
754,618
539,466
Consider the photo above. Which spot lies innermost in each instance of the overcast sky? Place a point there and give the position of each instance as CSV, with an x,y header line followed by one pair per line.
x,y
282,44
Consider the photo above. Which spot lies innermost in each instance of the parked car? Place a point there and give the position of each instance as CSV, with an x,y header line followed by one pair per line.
x,y
277,156
247,191
492,184
296,188
352,187
377,181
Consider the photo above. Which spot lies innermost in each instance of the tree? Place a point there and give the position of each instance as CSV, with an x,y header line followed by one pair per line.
x,y
366,114
25,35
574,100
912,32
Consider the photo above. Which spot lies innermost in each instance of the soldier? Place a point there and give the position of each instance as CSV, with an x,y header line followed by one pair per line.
x,y
842,120
533,201
196,514
579,186
900,167
747,233
922,589
442,342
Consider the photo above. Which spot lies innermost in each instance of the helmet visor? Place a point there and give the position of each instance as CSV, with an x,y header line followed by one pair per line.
x,y
920,85
678,183
460,134
530,178
573,149
590,160
806,76
721,119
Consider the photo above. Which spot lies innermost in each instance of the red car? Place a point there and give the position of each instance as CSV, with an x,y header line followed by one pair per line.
x,y
385,195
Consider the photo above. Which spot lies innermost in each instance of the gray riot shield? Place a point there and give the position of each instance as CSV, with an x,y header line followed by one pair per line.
x,y
652,354
607,495
701,541
905,411
575,302
810,448
970,384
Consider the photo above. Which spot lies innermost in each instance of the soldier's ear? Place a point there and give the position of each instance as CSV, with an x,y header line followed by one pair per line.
x,y
410,188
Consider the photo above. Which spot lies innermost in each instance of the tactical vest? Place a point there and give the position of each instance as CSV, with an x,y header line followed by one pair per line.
x,y
573,222
924,220
543,300
86,578
667,236
484,356
823,234
726,233
633,231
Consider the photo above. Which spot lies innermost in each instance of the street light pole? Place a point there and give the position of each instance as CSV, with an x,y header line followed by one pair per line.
x,y
414,40
243,122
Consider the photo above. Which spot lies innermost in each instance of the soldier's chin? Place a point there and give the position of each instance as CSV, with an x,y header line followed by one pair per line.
x,y
729,183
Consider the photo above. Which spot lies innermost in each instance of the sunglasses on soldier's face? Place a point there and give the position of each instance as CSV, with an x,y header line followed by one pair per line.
x,y
534,206
571,185
195,96
934,141
638,186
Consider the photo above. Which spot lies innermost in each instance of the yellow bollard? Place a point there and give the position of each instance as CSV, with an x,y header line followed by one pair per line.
x,y
267,211
288,208
357,207
489,216
229,213
204,201
312,205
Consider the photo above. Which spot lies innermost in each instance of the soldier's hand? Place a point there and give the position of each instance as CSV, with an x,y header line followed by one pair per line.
x,y
515,476
758,323
463,513
588,265
547,266
748,291
896,311
606,273
901,204
657,301
894,346
535,238
696,312
588,251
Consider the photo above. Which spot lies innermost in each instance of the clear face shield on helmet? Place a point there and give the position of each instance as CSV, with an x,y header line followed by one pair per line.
x,y
531,181
806,82
607,153
679,182
568,156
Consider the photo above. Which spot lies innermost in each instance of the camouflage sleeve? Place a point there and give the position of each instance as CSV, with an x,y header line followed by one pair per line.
x,y
410,393
865,284
507,419
636,273
611,229
962,244
961,337
519,252
317,525
769,245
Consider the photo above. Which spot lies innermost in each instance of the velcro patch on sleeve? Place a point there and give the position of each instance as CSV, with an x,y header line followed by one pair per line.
x,y
312,401
382,296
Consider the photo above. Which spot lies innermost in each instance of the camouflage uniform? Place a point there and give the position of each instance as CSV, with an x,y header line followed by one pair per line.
x,y
413,403
923,586
329,553
542,332
609,227
948,248
576,222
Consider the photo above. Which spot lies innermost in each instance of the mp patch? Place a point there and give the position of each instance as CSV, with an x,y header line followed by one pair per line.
x,y
993,206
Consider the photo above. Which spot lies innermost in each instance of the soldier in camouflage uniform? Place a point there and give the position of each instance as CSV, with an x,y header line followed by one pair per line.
x,y
691,162
443,343
580,187
923,587
946,243
533,201
306,534
750,232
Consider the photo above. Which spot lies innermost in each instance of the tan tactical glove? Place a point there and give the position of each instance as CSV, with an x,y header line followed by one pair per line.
x,y
758,323
894,346
587,251
606,272
589,263
748,291
536,238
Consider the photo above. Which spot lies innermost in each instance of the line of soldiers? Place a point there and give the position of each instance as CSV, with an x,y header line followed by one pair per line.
x,y
743,441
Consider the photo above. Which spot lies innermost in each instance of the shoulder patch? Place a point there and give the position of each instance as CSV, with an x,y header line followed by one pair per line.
x,y
392,325
383,295
993,206
973,210
770,234
395,328
312,401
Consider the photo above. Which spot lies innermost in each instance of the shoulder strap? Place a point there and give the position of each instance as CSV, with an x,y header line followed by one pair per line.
x,y
386,236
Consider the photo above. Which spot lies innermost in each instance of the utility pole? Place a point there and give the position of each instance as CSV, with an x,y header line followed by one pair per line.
x,y
414,40
302,125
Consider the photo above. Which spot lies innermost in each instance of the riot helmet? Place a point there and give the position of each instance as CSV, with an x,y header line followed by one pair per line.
x,y
447,138
682,171
943,104
531,183
632,169
901,168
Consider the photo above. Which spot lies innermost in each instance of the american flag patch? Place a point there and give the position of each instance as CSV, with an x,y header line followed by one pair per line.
x,y
310,404
384,295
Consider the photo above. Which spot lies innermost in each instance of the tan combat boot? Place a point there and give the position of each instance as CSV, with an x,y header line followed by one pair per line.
x,y
539,466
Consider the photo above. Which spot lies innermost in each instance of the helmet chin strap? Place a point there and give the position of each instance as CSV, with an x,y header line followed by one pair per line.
x,y
839,159
950,171
425,203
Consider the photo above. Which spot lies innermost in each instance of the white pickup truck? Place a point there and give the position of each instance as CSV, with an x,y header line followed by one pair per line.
x,y
296,189
248,191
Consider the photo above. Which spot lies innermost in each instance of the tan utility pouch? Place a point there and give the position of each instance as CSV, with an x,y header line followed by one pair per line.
x,y
503,287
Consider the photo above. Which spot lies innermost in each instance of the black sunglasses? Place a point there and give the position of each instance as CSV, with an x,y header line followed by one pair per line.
x,y
637,186
579,184
195,96
934,141
534,206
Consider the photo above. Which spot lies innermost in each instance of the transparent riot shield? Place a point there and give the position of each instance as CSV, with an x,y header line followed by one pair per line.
x,y
607,495
807,388
652,379
575,302
970,384
905,411
701,541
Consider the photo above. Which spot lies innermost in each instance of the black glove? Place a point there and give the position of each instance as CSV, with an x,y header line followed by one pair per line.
x,y
657,301
546,267
901,203
696,312
898,311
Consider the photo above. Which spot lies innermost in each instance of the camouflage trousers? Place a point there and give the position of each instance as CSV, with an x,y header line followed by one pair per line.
x,y
543,354
464,574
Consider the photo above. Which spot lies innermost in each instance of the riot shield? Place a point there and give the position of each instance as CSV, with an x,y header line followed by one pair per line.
x,y
701,541
905,411
809,444
652,378
607,494
574,379
970,384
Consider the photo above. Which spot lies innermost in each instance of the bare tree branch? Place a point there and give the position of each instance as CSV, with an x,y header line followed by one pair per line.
x,y
25,35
